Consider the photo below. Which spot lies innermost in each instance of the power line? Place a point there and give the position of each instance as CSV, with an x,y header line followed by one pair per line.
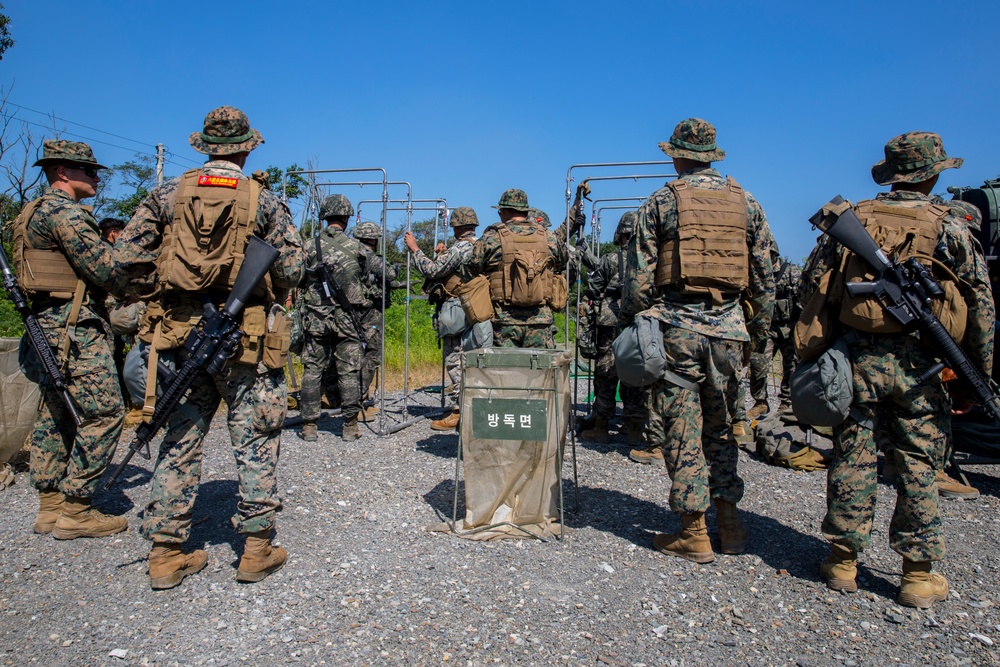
x,y
54,116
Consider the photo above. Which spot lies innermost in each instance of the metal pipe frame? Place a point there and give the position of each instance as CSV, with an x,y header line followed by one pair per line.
x,y
595,221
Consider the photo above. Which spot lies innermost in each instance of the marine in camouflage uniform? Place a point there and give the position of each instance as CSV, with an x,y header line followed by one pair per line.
x,y
604,303
514,326
369,234
255,395
437,271
123,314
67,460
333,334
888,394
704,337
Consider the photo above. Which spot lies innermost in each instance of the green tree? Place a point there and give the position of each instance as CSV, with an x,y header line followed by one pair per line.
x,y
129,183
5,39
295,185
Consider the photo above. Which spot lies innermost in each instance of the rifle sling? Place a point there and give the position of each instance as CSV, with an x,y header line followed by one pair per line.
x,y
149,402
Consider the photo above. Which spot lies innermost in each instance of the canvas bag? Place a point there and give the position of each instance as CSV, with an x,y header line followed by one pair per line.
x,y
639,354
451,319
822,390
475,298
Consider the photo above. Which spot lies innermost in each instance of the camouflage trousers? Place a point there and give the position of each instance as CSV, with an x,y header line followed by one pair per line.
x,y
451,348
918,419
606,382
694,426
256,398
372,322
345,355
72,458
533,336
762,363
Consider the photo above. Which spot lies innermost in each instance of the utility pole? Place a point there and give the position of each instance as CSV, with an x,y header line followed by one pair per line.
x,y
159,164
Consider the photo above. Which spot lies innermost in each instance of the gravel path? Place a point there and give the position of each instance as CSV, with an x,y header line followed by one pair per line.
x,y
367,585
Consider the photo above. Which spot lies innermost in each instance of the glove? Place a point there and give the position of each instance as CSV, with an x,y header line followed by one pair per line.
x,y
578,223
582,244
583,189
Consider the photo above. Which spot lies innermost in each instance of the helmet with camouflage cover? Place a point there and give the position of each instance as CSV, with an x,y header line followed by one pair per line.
x,y
463,216
367,231
539,216
625,228
335,205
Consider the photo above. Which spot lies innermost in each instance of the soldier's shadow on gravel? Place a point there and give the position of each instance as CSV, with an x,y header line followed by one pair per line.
x,y
213,509
442,497
988,484
443,444
116,499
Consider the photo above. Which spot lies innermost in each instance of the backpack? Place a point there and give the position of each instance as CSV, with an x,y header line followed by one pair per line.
x,y
822,389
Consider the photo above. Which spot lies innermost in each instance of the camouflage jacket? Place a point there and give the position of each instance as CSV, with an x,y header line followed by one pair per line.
x,y
60,223
138,247
371,283
787,307
322,315
446,264
487,256
604,289
956,248
656,223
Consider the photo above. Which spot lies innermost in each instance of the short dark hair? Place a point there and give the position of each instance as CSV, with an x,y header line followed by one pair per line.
x,y
107,224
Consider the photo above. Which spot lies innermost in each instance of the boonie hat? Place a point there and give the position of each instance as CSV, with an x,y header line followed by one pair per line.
x,y
913,157
227,131
73,152
513,199
694,139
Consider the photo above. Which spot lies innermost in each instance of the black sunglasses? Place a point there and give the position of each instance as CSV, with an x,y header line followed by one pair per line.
x,y
89,171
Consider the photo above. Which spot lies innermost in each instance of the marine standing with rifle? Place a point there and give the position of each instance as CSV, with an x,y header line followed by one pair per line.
x,y
333,302
897,383
66,267
176,253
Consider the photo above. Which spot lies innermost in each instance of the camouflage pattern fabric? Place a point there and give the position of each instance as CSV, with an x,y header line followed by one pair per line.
x,y
487,256
694,139
74,152
534,336
255,395
226,131
371,320
330,334
451,347
913,157
64,456
886,369
699,449
703,343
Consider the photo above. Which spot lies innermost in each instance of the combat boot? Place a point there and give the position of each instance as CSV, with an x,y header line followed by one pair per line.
x,y
351,430
260,558
949,487
597,432
50,504
634,428
840,569
79,519
691,543
309,432
651,454
759,409
449,423
920,587
168,565
739,429
733,536
369,413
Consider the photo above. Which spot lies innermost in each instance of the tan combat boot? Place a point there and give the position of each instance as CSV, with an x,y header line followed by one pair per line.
x,y
920,587
351,430
309,432
733,536
50,504
949,487
79,519
840,569
634,428
651,454
369,413
598,432
739,429
260,558
691,543
759,409
449,423
168,565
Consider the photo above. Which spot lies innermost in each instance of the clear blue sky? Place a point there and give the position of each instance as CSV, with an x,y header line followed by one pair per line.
x,y
466,99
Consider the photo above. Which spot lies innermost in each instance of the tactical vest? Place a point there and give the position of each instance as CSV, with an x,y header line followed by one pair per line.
x,y
523,278
41,272
901,233
709,255
347,268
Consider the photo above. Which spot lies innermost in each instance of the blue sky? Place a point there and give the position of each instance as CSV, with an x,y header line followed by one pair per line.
x,y
466,99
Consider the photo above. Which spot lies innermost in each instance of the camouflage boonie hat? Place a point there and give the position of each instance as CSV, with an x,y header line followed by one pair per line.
x,y
71,152
625,228
539,216
694,139
913,157
227,131
367,230
335,205
513,199
463,216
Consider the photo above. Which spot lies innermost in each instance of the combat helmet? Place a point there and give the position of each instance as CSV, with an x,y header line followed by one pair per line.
x,y
335,205
539,216
364,231
625,229
463,216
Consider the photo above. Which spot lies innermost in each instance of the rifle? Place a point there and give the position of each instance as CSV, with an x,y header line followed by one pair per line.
x,y
904,290
209,347
36,336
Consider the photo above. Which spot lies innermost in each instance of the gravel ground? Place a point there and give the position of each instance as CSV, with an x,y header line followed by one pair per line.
x,y
366,584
